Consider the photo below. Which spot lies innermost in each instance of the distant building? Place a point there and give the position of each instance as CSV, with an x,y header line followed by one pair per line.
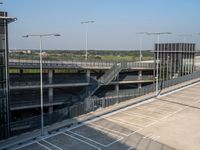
x,y
4,80
175,59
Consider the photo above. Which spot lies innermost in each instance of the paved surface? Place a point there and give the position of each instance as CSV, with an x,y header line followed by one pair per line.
x,y
169,122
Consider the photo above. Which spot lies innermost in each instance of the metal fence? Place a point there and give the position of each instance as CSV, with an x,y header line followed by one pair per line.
x,y
122,95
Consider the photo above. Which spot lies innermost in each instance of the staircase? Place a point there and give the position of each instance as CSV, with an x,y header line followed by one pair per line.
x,y
105,79
110,74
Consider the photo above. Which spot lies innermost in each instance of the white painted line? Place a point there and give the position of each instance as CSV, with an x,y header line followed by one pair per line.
x,y
24,145
126,122
138,115
43,146
123,138
101,127
87,138
81,140
119,122
103,131
94,140
157,110
52,145
152,137
130,148
156,138
180,110
129,126
114,142
142,115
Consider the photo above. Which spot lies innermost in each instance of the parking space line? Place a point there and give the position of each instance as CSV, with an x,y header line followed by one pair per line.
x,y
181,109
120,122
152,137
94,140
139,115
125,122
123,138
52,144
43,146
157,110
24,145
81,140
98,126
114,142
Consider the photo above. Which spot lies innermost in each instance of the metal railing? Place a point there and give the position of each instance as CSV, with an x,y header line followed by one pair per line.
x,y
46,82
78,64
115,97
16,103
109,75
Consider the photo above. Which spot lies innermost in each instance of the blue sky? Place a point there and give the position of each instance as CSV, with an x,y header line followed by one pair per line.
x,y
116,22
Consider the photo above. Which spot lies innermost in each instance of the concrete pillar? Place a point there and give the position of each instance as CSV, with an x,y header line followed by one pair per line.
x,y
21,71
117,91
50,76
88,76
139,74
139,85
50,90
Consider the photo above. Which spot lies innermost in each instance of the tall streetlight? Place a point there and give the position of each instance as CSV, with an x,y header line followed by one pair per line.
x,y
41,82
157,54
86,37
141,40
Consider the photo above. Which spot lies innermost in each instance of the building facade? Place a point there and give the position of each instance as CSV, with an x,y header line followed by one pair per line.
x,y
175,59
4,79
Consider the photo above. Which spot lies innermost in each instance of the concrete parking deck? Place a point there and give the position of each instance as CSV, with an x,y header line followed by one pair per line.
x,y
168,122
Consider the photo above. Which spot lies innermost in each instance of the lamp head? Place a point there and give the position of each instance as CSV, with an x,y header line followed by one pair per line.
x,y
57,34
25,36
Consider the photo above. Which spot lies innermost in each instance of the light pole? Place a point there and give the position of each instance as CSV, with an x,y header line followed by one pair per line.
x,y
41,82
157,54
141,40
86,37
